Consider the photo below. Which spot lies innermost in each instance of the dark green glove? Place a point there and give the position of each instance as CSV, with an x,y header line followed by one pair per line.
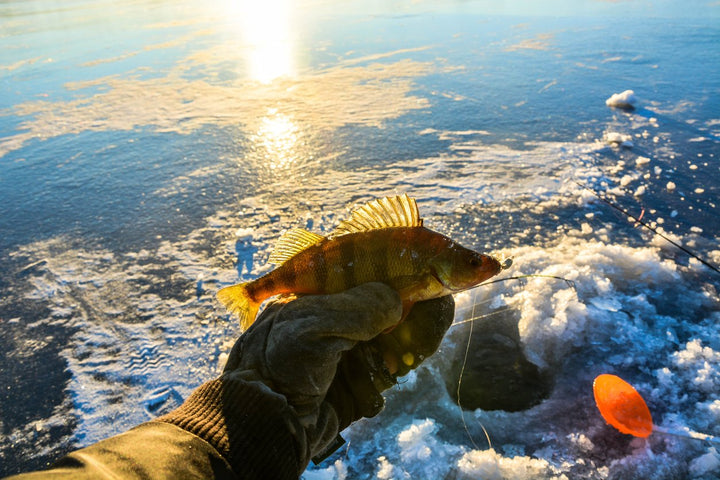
x,y
328,355
374,366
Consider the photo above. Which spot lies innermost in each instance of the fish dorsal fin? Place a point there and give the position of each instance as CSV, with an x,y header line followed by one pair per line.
x,y
388,212
291,243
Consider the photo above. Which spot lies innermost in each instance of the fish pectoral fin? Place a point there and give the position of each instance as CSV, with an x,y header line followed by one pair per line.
x,y
418,287
291,243
238,301
388,212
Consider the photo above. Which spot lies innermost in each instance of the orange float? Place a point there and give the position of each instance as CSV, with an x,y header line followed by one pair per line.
x,y
622,406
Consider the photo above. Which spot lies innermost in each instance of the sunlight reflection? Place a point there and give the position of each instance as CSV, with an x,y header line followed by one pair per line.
x,y
266,29
278,138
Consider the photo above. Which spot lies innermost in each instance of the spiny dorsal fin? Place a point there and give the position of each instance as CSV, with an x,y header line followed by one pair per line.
x,y
399,211
291,243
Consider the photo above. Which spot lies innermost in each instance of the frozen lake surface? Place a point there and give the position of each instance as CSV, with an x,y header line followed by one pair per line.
x,y
152,152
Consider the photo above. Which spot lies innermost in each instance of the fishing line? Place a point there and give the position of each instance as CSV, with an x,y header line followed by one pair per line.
x,y
472,320
462,371
644,224
570,283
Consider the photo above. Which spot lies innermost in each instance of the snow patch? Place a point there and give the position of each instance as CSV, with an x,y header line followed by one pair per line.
x,y
489,465
619,139
624,100
706,464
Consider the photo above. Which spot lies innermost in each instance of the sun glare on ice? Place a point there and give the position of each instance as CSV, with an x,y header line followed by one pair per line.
x,y
266,30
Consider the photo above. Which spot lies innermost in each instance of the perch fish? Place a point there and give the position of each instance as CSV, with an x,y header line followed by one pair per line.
x,y
382,241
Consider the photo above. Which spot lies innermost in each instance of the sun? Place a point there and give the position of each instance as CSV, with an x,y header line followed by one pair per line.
x,y
267,33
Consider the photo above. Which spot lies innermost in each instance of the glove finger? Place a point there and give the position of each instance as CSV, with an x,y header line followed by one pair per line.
x,y
357,314
428,321
418,336
371,367
309,334
355,390
248,353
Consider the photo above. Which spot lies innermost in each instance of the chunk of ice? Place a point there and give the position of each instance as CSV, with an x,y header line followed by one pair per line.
x,y
624,100
621,139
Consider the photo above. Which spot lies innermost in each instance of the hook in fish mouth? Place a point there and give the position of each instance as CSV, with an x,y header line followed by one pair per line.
x,y
506,263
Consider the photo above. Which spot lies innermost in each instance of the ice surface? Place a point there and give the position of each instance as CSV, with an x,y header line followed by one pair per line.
x,y
336,471
489,465
701,364
492,155
149,349
342,94
705,464
621,309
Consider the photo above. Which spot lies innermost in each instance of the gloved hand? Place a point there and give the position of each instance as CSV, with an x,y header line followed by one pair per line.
x,y
305,370
328,355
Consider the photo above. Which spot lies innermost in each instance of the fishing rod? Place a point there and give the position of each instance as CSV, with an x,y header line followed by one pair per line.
x,y
649,227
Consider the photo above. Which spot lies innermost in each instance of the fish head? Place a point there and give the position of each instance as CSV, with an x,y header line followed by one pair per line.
x,y
459,268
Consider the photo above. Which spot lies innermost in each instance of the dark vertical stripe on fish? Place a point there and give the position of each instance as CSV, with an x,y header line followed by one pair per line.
x,y
287,277
347,258
362,261
332,256
320,270
382,261
263,287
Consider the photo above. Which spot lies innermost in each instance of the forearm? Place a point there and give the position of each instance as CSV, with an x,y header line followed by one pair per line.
x,y
152,450
226,429
250,426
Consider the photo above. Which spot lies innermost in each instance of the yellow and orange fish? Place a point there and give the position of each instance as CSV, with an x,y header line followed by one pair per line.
x,y
383,241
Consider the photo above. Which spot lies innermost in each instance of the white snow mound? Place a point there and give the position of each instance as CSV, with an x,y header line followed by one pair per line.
x,y
625,99
621,139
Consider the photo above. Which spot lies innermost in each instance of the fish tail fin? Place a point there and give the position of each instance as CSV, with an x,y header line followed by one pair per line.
x,y
238,301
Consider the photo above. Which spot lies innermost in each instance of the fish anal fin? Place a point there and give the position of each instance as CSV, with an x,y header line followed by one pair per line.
x,y
388,212
291,243
407,305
